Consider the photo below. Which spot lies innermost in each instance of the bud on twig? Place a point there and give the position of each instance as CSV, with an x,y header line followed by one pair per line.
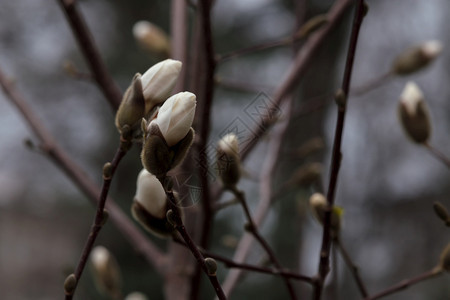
x,y
150,205
319,205
416,58
106,272
158,82
228,160
169,136
211,266
152,38
70,284
413,113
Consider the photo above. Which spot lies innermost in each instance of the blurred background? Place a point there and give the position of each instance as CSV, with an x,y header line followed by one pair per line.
x,y
387,184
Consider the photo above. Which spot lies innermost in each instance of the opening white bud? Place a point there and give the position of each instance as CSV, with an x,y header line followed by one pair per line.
x,y
175,117
136,296
229,144
228,160
414,114
152,38
106,272
417,57
319,205
159,81
150,194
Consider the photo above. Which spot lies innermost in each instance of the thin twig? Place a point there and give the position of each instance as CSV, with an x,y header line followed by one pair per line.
x,y
48,144
324,267
232,264
437,154
253,49
99,216
91,53
406,283
353,268
252,228
371,85
175,218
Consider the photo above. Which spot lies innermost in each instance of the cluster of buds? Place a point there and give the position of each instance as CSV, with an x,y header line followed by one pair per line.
x,y
228,160
145,93
106,271
319,205
163,124
416,58
413,114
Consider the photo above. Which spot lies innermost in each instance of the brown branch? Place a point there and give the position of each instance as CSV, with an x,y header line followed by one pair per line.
x,y
253,229
437,154
97,225
91,53
406,283
265,192
205,93
177,222
336,154
353,268
48,144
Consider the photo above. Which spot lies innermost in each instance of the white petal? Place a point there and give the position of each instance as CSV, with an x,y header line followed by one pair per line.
x,y
150,194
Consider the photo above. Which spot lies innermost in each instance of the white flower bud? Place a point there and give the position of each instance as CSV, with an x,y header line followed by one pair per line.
x,y
106,272
136,296
228,160
319,205
150,194
415,58
175,117
152,38
158,82
413,113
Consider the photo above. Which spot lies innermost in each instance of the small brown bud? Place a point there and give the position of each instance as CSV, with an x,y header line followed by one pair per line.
x,y
106,272
306,174
319,205
136,296
171,218
70,284
211,266
441,211
413,114
107,171
340,98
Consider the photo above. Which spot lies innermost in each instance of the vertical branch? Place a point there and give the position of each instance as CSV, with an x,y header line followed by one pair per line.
x,y
336,154
205,98
179,27
108,173
91,53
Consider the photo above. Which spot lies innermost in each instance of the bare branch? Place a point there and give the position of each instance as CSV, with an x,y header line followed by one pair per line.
x,y
91,53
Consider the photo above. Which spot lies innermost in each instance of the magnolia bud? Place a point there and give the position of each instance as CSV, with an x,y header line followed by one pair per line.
x,y
319,205
158,82
136,296
415,58
175,117
444,262
152,38
157,157
306,174
106,272
70,284
150,204
132,107
441,211
413,113
228,160
211,266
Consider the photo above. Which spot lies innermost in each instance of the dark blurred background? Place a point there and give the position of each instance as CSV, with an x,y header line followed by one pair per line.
x,y
387,184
